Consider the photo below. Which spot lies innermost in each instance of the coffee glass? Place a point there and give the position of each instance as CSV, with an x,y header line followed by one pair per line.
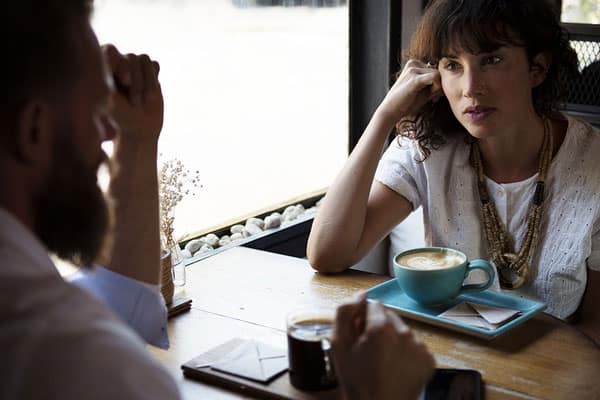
x,y
309,333
434,276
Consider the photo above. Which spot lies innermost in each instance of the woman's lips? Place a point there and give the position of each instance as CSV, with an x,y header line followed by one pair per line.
x,y
478,113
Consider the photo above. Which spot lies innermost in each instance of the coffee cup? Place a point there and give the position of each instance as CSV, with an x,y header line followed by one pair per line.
x,y
435,275
309,343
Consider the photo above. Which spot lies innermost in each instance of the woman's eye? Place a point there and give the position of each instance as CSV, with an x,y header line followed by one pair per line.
x,y
451,66
491,60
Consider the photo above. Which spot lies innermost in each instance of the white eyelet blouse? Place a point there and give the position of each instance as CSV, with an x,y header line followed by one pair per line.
x,y
445,185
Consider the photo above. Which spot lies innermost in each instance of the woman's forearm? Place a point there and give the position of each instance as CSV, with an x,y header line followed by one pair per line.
x,y
339,223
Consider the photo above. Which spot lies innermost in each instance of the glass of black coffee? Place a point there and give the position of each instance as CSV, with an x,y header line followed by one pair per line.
x,y
309,333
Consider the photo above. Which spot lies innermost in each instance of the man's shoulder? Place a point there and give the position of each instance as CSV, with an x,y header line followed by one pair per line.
x,y
104,360
101,364
73,347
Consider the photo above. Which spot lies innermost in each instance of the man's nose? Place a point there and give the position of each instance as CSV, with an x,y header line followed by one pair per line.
x,y
110,128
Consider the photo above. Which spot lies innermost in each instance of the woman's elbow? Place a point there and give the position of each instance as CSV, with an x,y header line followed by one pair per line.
x,y
325,255
325,262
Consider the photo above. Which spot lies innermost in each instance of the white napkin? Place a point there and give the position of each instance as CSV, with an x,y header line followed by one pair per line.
x,y
479,315
253,360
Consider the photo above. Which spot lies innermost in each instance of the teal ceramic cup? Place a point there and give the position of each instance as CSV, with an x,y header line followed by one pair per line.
x,y
435,275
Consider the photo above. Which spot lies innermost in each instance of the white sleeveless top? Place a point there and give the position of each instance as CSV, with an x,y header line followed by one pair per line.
x,y
445,185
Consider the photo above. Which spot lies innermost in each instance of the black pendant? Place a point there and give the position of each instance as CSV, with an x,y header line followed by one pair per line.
x,y
508,277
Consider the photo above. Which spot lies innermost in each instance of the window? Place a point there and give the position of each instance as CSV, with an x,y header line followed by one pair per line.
x,y
582,19
581,11
256,96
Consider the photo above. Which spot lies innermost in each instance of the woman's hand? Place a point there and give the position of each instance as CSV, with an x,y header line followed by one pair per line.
x,y
416,85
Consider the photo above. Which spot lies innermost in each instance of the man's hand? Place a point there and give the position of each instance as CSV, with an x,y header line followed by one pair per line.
x,y
376,355
137,100
138,111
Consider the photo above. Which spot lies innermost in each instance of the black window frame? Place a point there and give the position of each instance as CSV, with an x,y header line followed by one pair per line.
x,y
591,33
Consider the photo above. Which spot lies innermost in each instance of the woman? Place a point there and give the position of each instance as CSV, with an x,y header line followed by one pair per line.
x,y
500,174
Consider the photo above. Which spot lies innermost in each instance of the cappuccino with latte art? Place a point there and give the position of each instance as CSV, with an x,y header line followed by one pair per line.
x,y
432,276
427,260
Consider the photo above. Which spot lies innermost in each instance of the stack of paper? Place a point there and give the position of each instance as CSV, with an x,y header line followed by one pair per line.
x,y
179,304
479,315
253,360
245,358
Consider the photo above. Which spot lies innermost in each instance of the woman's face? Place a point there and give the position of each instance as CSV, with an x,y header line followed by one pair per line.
x,y
489,93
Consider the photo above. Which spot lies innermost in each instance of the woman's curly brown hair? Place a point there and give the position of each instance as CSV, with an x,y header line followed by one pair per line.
x,y
480,26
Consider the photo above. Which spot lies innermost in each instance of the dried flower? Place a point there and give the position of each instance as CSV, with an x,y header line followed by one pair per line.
x,y
174,182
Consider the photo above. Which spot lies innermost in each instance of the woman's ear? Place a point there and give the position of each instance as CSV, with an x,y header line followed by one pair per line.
x,y
539,68
33,133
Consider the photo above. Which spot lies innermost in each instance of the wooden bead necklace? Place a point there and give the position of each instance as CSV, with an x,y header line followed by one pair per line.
x,y
513,267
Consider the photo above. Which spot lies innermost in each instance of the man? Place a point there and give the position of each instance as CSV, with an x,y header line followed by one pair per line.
x,y
376,356
60,100
58,106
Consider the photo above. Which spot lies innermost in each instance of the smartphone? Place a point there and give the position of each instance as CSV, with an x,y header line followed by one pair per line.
x,y
454,384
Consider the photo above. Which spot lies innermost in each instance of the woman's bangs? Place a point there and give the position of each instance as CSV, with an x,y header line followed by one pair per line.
x,y
474,36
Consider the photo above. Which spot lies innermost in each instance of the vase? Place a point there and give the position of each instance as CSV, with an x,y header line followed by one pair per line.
x,y
177,266
166,278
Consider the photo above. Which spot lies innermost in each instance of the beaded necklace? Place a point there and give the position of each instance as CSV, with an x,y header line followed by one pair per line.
x,y
513,267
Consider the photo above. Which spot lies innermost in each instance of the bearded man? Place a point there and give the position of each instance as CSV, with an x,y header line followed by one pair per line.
x,y
62,96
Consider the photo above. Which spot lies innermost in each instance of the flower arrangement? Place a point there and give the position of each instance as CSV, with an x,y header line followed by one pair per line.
x,y
174,182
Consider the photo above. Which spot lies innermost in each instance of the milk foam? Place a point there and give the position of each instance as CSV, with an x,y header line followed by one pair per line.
x,y
430,260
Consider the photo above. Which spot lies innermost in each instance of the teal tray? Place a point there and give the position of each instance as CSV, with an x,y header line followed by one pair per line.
x,y
390,294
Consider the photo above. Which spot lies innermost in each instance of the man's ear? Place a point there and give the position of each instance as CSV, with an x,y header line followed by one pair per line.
x,y
34,132
540,65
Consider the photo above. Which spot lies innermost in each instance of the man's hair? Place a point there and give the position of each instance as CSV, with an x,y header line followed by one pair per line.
x,y
483,26
39,53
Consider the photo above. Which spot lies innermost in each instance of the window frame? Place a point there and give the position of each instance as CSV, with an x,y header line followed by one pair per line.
x,y
584,32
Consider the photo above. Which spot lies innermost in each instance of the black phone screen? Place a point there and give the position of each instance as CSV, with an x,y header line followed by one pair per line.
x,y
454,384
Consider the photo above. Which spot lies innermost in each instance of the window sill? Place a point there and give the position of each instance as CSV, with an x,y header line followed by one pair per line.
x,y
289,240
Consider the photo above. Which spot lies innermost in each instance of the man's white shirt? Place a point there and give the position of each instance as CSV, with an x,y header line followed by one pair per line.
x,y
62,340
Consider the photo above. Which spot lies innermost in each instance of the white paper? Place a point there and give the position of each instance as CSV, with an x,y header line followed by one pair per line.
x,y
494,315
479,315
253,360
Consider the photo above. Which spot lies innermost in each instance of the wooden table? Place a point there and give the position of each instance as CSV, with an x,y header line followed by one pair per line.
x,y
243,292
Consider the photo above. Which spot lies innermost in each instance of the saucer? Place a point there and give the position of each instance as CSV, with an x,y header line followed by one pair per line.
x,y
390,294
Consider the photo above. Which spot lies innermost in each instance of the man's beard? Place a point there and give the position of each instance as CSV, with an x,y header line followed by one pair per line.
x,y
72,214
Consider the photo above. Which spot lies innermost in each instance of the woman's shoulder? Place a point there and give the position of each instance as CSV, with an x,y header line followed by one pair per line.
x,y
455,151
578,156
582,135
455,148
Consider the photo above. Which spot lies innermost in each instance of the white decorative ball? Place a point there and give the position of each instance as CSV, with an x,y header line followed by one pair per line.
x,y
237,229
194,245
255,221
273,221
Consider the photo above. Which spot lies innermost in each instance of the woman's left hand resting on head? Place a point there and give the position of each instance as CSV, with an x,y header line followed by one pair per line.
x,y
357,212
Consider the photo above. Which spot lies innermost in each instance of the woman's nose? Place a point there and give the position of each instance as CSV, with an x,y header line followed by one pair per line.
x,y
473,83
